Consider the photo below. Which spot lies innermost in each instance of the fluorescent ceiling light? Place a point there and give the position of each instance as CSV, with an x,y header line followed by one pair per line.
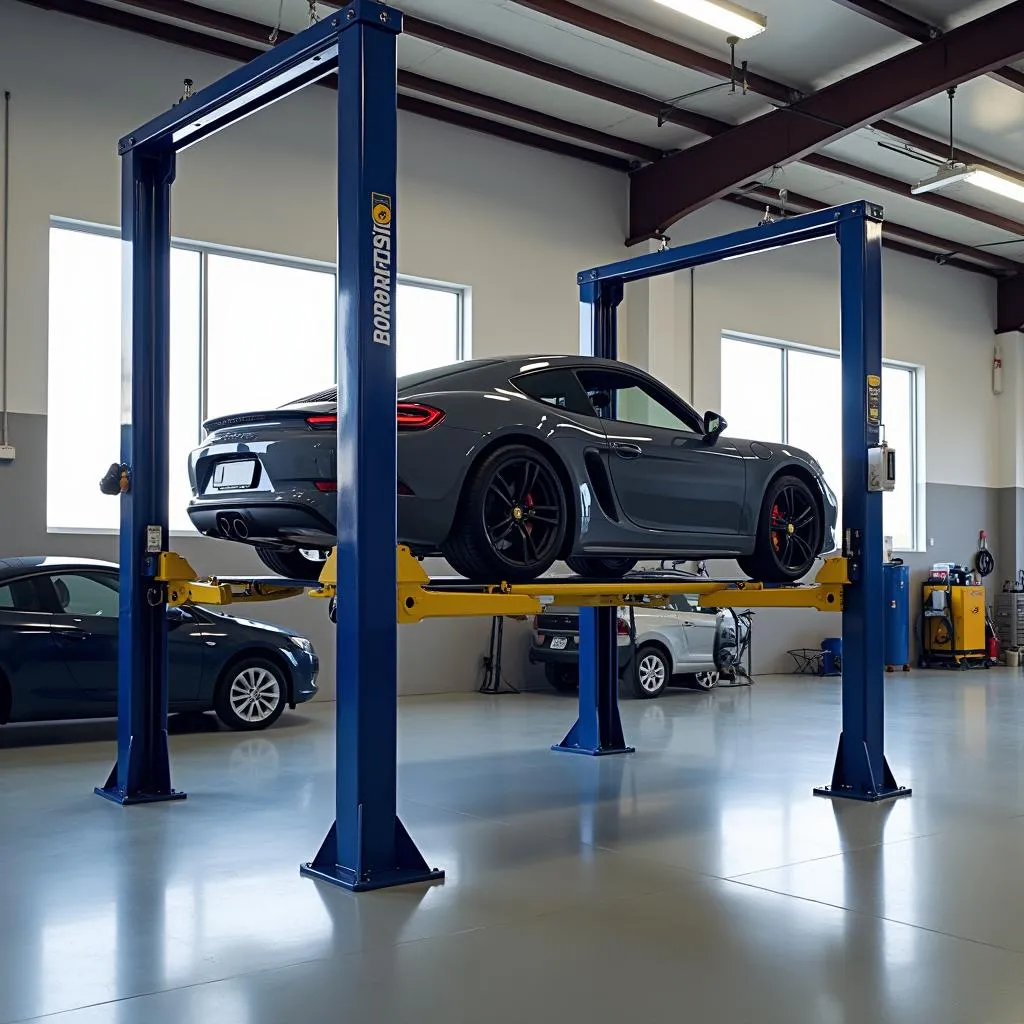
x,y
974,174
729,17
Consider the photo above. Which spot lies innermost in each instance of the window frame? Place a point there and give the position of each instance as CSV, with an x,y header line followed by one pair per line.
x,y
462,293
915,457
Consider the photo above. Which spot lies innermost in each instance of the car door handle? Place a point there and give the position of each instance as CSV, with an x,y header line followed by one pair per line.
x,y
624,450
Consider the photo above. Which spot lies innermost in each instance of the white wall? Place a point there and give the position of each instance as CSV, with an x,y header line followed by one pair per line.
x,y
514,223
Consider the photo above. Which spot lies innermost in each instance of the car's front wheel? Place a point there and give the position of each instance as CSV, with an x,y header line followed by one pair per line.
x,y
651,673
294,563
251,695
704,680
789,533
513,518
601,568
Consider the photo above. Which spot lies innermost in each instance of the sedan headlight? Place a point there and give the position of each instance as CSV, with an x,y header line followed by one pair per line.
x,y
302,643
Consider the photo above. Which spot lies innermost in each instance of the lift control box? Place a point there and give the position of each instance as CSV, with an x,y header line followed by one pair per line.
x,y
881,468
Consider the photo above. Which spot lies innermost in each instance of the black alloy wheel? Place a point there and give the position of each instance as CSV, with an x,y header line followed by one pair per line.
x,y
788,534
513,521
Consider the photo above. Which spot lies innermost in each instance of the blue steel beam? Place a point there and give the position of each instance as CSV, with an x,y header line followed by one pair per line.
x,y
367,847
790,231
300,60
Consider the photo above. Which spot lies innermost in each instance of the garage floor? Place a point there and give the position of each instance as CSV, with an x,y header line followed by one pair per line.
x,y
697,879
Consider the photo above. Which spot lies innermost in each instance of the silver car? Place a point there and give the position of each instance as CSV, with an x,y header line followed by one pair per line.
x,y
677,643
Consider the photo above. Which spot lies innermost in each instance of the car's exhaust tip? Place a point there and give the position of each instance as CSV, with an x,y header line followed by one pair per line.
x,y
232,527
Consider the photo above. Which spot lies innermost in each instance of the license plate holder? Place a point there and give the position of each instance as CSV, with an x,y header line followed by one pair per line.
x,y
237,475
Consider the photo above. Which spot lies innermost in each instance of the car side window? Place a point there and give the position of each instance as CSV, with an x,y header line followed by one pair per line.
x,y
86,594
621,396
19,596
559,388
685,603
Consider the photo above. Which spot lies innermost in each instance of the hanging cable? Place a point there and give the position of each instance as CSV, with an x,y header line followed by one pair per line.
x,y
275,32
951,93
313,16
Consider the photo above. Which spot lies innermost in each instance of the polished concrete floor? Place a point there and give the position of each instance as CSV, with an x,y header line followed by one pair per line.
x,y
697,880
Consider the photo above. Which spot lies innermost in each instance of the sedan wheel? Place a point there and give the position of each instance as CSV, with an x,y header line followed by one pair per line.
x,y
705,680
651,672
251,695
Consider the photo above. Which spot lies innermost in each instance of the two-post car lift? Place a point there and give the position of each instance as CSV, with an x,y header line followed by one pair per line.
x,y
367,847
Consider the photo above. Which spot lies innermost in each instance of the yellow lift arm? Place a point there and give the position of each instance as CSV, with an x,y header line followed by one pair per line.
x,y
420,597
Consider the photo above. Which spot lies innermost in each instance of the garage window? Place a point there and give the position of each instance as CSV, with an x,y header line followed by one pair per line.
x,y
791,395
247,332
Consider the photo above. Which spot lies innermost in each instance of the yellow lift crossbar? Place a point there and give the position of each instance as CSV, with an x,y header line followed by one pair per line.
x,y
419,597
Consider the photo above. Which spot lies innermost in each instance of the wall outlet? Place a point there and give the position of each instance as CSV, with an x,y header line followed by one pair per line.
x,y
6,452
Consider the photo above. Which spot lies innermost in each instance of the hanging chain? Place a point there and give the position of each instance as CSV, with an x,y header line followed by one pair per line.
x,y
951,92
313,16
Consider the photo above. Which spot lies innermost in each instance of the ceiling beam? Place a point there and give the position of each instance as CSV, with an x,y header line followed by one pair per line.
x,y
524,115
1010,305
663,192
657,46
901,188
891,17
914,28
231,50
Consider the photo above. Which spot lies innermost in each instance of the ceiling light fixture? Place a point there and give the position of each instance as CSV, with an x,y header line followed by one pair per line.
x,y
974,174
729,17
953,172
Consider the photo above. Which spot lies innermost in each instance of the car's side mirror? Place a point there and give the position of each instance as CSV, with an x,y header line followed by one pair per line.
x,y
714,424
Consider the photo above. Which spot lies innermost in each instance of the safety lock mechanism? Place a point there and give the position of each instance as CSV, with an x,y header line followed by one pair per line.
x,y
881,468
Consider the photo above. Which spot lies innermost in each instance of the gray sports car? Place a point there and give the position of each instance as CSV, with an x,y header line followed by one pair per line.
x,y
505,465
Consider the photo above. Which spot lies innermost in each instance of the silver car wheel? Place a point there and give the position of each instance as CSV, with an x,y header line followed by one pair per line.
x,y
706,680
651,673
255,694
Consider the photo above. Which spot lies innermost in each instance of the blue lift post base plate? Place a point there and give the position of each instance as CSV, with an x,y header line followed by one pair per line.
x,y
864,787
566,747
409,869
115,796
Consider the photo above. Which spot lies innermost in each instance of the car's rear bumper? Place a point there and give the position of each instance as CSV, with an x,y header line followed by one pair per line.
x,y
303,519
570,656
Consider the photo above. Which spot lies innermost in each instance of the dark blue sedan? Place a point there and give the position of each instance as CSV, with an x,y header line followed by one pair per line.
x,y
58,651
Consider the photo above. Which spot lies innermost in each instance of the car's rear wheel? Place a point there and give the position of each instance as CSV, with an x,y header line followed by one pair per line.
x,y
513,518
601,568
563,678
789,533
250,695
294,563
652,672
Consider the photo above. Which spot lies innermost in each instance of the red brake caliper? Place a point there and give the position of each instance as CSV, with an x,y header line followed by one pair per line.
x,y
528,502
776,544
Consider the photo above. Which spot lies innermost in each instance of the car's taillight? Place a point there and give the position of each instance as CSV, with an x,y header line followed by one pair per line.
x,y
622,627
327,486
323,422
414,416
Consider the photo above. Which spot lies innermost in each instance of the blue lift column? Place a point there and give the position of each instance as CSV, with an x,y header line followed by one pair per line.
x,y
142,773
861,771
598,728
367,847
